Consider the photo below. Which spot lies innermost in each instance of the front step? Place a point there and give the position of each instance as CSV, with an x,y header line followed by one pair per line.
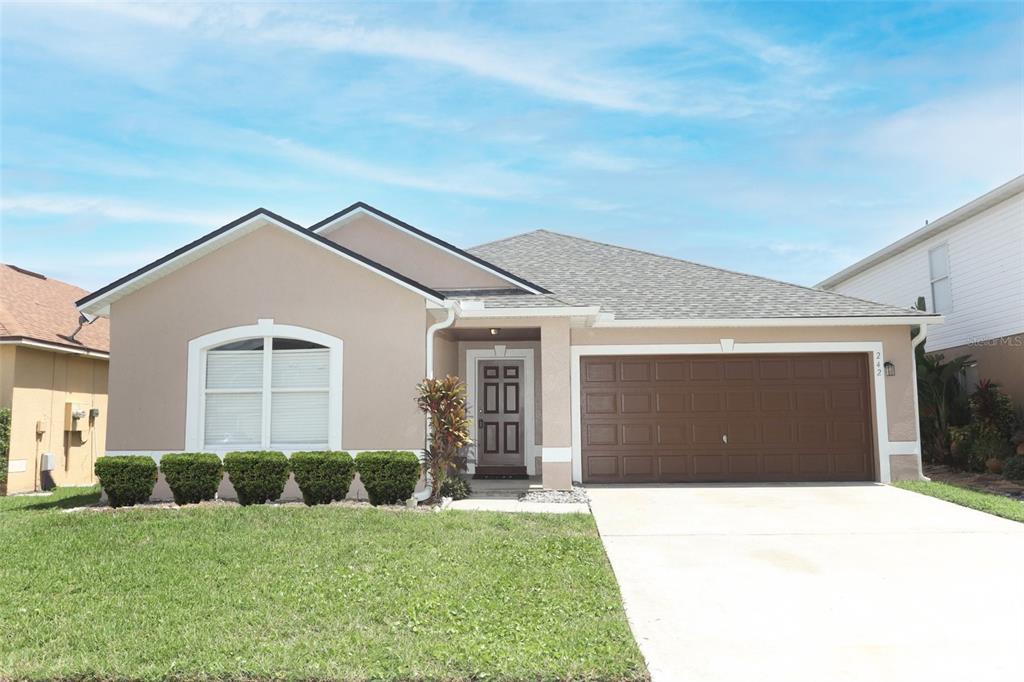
x,y
509,472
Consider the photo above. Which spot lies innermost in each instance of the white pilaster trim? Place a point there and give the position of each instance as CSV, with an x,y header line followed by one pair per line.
x,y
556,455
883,447
502,351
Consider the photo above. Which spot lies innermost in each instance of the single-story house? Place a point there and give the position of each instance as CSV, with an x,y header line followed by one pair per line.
x,y
583,361
53,378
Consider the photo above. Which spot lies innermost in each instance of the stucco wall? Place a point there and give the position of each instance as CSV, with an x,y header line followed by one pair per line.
x,y
43,382
423,262
899,389
268,274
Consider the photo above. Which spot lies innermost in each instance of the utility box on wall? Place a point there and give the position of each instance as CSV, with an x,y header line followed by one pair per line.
x,y
75,416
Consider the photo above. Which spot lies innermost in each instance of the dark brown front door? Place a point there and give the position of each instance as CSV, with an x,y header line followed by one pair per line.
x,y
738,418
499,413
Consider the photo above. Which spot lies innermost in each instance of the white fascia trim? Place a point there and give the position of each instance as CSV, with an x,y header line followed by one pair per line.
x,y
499,351
472,309
360,211
197,348
101,305
56,348
603,321
882,445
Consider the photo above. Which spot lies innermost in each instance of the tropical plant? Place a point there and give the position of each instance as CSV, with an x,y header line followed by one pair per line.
x,y
456,488
444,402
992,410
942,400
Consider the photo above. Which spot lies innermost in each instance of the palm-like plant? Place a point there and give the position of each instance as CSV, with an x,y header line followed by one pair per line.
x,y
444,402
942,400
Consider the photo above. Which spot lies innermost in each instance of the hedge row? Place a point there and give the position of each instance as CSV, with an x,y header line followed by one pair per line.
x,y
259,476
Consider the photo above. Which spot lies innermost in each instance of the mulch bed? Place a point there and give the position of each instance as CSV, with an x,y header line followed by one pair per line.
x,y
986,483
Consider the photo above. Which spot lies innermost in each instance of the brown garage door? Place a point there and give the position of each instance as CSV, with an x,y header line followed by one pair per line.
x,y
741,418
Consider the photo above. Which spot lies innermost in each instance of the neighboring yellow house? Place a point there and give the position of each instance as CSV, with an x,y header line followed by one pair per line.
x,y
53,377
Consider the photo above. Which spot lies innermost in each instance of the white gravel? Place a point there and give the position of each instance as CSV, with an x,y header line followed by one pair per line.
x,y
578,495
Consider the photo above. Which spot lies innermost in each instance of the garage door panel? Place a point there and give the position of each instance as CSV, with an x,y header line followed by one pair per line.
x,y
705,370
636,371
599,403
600,434
673,402
740,401
671,435
636,403
784,418
671,370
637,434
706,401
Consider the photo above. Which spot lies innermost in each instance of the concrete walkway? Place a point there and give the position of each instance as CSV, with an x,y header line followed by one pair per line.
x,y
824,583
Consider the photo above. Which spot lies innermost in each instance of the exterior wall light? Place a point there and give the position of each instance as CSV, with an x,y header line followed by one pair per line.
x,y
890,369
494,332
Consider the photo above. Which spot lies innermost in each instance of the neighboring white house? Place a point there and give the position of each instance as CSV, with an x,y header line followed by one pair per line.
x,y
969,266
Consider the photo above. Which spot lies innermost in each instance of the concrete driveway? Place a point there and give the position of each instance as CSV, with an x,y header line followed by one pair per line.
x,y
815,582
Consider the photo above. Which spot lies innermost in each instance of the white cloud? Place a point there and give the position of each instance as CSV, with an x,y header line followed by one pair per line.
x,y
113,209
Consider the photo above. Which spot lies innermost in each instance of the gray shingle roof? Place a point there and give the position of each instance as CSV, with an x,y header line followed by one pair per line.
x,y
636,284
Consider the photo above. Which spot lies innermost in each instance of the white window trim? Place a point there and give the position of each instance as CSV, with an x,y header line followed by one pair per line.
x,y
197,348
498,352
932,279
883,447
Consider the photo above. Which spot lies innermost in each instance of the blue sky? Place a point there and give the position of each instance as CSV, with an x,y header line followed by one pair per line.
x,y
786,140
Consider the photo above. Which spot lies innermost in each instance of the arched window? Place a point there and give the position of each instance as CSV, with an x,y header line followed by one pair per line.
x,y
279,390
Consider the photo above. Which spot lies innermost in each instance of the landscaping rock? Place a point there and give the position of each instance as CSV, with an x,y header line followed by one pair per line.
x,y
578,495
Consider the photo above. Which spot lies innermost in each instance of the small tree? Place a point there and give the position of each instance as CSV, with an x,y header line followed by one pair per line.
x,y
5,442
444,402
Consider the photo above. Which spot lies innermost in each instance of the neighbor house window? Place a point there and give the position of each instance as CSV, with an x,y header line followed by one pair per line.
x,y
266,392
942,293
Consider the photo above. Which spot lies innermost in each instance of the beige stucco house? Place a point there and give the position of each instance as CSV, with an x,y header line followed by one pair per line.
x,y
53,378
584,361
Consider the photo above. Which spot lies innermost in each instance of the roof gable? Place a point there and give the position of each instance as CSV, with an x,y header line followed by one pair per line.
x,y
359,209
98,302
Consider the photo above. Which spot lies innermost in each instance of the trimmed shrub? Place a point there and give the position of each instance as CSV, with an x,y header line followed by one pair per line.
x,y
126,480
322,476
258,475
192,476
1013,468
389,476
456,488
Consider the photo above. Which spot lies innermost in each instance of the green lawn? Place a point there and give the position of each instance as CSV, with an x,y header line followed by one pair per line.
x,y
986,502
297,593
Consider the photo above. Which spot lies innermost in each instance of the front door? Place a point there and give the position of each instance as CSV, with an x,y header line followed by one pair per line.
x,y
499,414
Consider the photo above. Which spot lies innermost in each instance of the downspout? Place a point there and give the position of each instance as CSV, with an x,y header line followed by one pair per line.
x,y
915,341
448,321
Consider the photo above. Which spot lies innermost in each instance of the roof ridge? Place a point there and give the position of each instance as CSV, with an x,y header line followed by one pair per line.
x,y
726,270
505,239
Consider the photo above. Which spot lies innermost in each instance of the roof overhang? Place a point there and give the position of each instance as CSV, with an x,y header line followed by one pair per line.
x,y
968,210
360,209
54,347
98,302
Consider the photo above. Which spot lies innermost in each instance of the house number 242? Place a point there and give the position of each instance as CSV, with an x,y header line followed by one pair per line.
x,y
878,363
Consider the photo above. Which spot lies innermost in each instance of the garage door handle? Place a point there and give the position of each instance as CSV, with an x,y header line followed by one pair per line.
x,y
725,438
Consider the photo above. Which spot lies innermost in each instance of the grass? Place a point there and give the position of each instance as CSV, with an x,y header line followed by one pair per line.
x,y
306,593
60,498
986,502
